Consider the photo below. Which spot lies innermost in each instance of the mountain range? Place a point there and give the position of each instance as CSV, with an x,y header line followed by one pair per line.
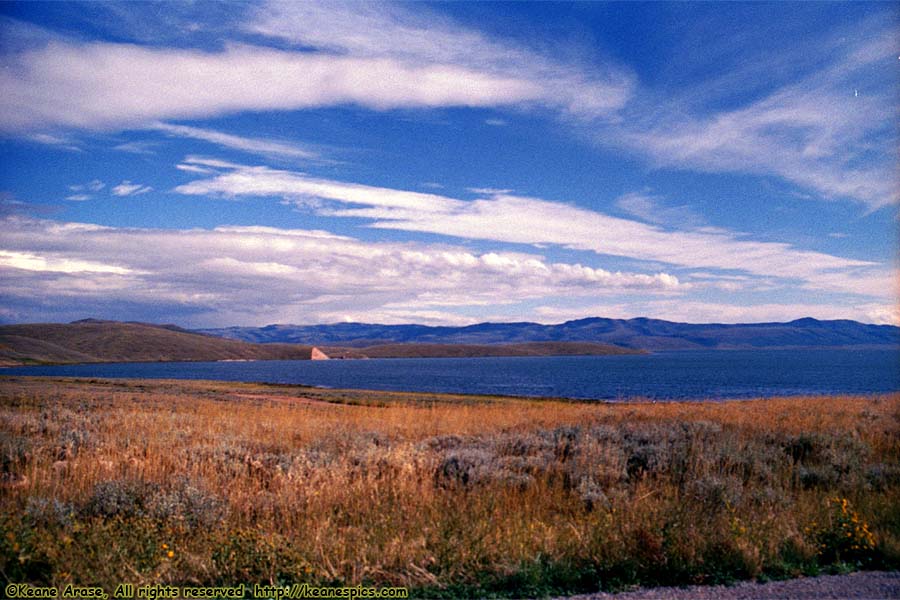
x,y
640,333
93,340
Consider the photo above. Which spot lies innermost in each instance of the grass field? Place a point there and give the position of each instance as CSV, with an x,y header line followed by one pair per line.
x,y
199,483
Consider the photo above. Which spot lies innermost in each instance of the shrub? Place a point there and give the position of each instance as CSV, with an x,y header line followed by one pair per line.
x,y
15,452
71,441
50,512
251,555
188,504
464,468
120,498
844,536
881,476
713,492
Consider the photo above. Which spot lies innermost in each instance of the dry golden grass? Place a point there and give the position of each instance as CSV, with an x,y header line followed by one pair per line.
x,y
200,483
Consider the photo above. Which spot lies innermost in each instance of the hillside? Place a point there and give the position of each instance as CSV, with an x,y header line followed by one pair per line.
x,y
641,333
479,350
110,341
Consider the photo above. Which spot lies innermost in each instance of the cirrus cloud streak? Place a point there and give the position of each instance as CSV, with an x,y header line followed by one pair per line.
x,y
502,217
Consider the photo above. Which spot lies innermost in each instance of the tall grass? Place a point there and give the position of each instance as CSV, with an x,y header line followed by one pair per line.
x,y
205,483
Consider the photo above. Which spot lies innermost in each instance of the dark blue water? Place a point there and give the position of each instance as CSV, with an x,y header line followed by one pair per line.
x,y
665,375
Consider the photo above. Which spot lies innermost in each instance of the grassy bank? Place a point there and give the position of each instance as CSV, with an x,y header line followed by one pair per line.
x,y
206,483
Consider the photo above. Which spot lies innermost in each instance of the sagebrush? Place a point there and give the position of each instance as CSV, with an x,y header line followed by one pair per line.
x,y
204,483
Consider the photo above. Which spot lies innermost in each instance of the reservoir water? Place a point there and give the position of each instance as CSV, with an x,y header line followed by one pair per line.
x,y
718,374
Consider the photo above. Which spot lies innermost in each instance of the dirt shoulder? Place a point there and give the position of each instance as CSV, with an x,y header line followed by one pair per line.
x,y
865,585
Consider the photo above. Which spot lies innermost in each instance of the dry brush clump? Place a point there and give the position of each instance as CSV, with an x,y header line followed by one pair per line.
x,y
204,483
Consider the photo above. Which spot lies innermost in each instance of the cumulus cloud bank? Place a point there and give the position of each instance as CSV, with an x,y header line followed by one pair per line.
x,y
502,217
264,274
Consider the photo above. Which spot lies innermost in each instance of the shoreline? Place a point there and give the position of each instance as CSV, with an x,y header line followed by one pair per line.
x,y
394,393
6,364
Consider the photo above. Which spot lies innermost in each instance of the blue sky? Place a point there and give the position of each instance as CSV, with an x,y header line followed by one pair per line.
x,y
214,164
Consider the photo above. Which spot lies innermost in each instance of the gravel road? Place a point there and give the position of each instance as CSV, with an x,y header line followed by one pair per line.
x,y
866,585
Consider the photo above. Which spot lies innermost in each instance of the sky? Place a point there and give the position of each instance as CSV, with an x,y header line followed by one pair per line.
x,y
248,163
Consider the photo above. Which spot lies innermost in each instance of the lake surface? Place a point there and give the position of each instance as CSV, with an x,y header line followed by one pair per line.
x,y
664,375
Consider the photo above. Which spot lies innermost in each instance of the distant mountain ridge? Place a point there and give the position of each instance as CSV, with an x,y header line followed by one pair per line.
x,y
95,340
640,333
418,350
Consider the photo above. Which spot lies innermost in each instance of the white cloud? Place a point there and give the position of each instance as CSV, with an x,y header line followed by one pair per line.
x,y
33,262
887,282
650,208
145,148
95,185
105,85
886,314
259,146
264,274
263,181
194,169
398,315
829,130
486,191
60,141
814,132
126,188
502,217
390,31
82,190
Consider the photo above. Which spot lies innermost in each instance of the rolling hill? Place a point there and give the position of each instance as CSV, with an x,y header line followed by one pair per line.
x,y
94,340
641,333
110,341
416,350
